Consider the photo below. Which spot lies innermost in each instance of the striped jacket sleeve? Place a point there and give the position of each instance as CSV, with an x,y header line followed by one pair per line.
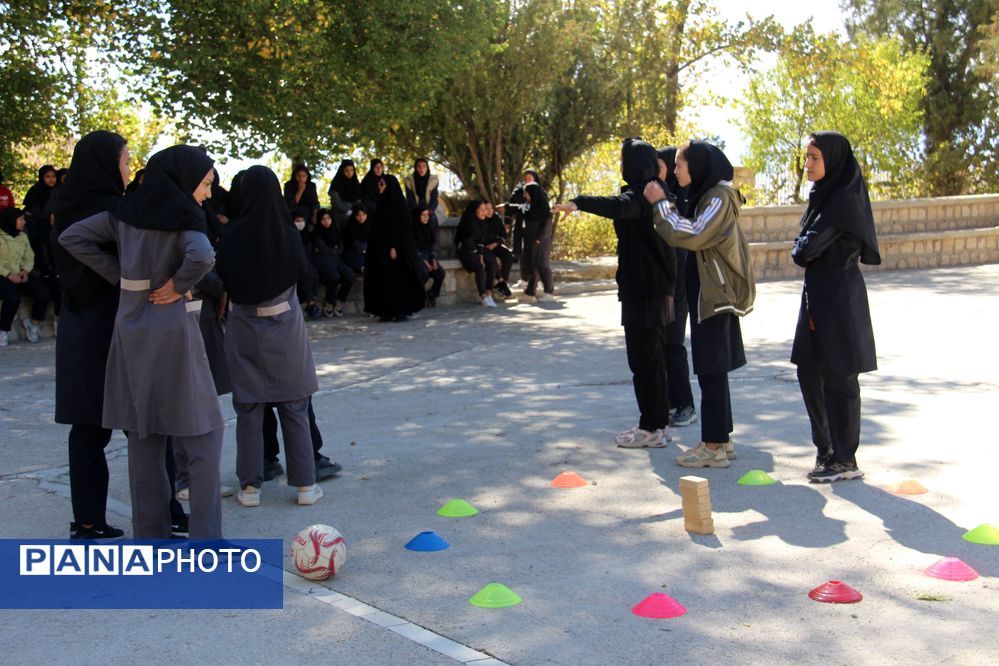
x,y
705,230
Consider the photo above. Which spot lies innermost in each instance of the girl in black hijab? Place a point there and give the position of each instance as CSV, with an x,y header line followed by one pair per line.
x,y
328,243
720,285
425,235
39,193
300,193
422,187
646,266
470,239
538,230
681,398
345,187
370,183
356,237
393,288
98,173
834,339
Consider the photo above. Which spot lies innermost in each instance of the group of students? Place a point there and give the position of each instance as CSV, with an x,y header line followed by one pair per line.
x,y
681,252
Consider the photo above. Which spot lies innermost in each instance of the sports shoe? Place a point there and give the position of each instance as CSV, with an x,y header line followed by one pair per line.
x,y
730,450
225,491
105,531
702,456
272,469
184,494
504,289
249,496
636,438
4,341
835,471
489,302
328,310
308,495
313,311
326,468
545,296
431,299
683,416
821,460
179,527
338,309
527,298
30,330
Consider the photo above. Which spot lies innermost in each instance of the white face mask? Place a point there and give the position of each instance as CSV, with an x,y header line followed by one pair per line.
x,y
300,225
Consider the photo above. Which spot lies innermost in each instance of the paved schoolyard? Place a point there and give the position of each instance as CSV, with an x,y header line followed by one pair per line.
x,y
489,406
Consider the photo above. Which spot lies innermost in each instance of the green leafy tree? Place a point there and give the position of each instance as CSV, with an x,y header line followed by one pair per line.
x,y
869,90
959,106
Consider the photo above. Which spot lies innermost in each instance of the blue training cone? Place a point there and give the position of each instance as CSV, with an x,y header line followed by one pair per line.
x,y
426,542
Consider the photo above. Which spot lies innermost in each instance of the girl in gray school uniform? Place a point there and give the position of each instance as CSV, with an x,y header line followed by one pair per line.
x,y
267,349
158,384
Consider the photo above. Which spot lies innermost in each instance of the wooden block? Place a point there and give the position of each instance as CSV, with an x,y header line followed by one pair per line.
x,y
703,527
693,482
696,502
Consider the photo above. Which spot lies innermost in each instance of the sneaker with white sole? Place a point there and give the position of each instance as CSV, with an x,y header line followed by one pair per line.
x,y
30,330
636,438
249,496
730,450
488,302
544,296
527,298
4,339
309,494
835,471
702,456
683,416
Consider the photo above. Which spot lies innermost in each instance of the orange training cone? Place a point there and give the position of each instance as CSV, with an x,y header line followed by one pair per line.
x,y
569,480
908,487
659,606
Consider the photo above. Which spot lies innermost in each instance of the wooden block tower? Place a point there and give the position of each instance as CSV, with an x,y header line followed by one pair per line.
x,y
696,498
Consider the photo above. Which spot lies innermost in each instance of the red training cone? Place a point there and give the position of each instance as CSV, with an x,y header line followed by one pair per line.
x,y
569,480
835,592
659,606
951,568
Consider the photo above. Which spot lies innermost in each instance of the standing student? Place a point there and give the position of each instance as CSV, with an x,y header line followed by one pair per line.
x,y
720,285
17,276
345,187
422,187
681,398
538,231
496,251
425,237
470,238
328,247
646,269
261,259
834,339
38,194
157,346
393,289
370,188
99,171
300,193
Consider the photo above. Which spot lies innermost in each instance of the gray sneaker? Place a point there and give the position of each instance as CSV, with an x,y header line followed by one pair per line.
x,y
683,416
702,456
30,330
4,341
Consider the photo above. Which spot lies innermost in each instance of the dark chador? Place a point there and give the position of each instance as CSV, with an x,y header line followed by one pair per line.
x,y
160,234
834,339
267,348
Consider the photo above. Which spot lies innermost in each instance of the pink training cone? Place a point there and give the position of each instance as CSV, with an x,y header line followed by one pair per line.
x,y
659,606
951,568
835,592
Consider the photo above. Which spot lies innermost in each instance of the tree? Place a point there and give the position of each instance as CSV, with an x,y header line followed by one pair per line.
x,y
870,90
956,108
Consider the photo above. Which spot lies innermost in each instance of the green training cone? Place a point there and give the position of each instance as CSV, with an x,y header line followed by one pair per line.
x,y
756,477
495,595
457,508
984,533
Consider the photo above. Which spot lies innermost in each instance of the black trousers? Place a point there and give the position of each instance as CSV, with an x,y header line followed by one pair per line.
x,y
648,374
502,258
537,260
716,408
10,294
833,405
308,285
678,376
270,433
484,270
88,473
335,275
438,276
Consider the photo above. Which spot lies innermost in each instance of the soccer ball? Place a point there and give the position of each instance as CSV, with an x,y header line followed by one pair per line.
x,y
319,552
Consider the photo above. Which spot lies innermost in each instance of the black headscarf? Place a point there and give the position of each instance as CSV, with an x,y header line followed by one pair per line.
x,y
638,162
539,199
358,232
94,181
61,176
38,194
708,166
165,201
8,220
841,198
291,189
537,176
668,155
420,182
261,253
369,185
235,196
136,181
349,189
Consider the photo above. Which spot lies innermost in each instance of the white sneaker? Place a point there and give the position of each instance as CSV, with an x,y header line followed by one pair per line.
x,y
488,302
3,339
225,491
526,298
309,494
30,330
184,494
249,496
545,296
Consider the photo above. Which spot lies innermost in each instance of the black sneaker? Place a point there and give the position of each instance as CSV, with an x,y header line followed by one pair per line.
x,y
683,416
313,311
835,471
821,460
431,299
504,289
326,468
104,531
272,469
178,526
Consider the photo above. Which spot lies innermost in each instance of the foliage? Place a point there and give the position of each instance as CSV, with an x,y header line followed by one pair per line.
x,y
869,90
960,111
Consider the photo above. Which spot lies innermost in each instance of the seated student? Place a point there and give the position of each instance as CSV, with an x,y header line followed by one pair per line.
x,y
16,277
425,235
345,188
355,238
308,285
422,188
496,250
469,239
300,193
328,243
38,194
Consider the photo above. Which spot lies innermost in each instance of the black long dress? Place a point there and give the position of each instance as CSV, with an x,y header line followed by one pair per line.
x,y
393,288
